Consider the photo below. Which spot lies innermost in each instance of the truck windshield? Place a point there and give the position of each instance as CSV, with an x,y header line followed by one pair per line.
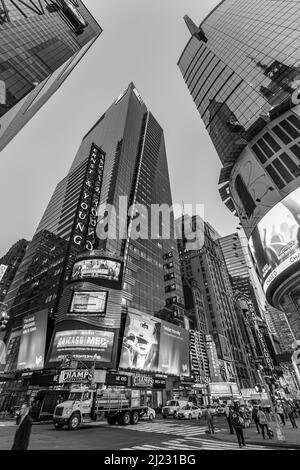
x,y
75,396
172,403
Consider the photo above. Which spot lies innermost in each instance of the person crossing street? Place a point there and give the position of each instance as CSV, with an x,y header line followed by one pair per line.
x,y
237,423
227,414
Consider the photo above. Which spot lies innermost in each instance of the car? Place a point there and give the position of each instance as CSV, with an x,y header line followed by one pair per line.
x,y
171,408
189,412
149,414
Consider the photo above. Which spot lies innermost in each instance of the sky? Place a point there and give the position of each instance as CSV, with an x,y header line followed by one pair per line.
x,y
142,41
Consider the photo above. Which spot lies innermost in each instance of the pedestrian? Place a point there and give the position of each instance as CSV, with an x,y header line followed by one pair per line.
x,y
209,417
290,410
227,414
279,410
237,423
263,422
21,440
255,418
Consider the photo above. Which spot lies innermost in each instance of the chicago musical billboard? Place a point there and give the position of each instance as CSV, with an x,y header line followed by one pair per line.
x,y
83,345
275,242
152,344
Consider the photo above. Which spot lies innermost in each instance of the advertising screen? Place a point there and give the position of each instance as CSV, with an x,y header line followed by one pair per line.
x,y
274,243
33,341
83,345
151,344
97,268
88,302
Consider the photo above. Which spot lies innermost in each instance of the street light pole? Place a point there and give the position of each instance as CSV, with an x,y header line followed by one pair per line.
x,y
279,433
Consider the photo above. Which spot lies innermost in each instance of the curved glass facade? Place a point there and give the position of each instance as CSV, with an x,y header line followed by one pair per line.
x,y
240,65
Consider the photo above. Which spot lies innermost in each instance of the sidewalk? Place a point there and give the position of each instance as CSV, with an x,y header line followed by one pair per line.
x,y
292,436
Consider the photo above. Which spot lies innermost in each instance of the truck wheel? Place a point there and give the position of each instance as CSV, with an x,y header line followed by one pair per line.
x,y
58,426
74,422
151,417
190,416
111,420
134,419
125,418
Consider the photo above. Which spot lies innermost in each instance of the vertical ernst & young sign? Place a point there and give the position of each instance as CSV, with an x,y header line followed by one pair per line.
x,y
86,218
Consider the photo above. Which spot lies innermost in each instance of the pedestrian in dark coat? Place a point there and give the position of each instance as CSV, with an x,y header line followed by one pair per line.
x,y
23,431
237,423
255,418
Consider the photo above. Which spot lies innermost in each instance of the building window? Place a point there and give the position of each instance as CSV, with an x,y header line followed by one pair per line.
x,y
245,196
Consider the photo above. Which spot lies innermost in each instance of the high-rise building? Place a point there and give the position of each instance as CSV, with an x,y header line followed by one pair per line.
x,y
279,327
241,66
9,264
40,43
239,268
206,268
121,160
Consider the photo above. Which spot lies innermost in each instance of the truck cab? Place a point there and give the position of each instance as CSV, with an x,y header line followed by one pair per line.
x,y
77,409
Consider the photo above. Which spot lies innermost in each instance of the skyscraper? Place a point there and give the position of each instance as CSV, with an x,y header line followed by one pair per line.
x,y
9,264
206,268
238,267
40,44
121,161
241,66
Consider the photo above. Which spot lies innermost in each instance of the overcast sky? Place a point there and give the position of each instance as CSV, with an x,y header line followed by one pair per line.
x,y
141,42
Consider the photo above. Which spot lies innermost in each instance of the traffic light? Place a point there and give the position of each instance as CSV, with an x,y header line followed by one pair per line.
x,y
3,320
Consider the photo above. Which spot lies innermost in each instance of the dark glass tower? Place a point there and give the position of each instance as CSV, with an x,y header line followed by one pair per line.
x,y
9,264
40,44
123,155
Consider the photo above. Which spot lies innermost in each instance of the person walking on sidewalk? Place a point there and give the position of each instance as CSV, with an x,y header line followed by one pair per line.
x,y
21,440
263,422
290,410
255,418
209,418
237,423
279,410
227,414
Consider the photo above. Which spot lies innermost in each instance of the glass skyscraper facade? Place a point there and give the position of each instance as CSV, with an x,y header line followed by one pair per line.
x,y
242,62
123,155
242,68
40,44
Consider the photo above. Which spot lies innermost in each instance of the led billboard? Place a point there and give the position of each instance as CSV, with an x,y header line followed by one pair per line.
x,y
99,268
33,341
275,242
152,344
83,345
86,302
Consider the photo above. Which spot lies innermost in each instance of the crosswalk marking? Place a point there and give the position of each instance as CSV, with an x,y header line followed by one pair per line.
x,y
174,429
196,444
7,423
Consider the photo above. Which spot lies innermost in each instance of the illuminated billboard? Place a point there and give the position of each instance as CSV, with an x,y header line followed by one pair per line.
x,y
33,341
152,344
275,242
86,302
83,345
99,268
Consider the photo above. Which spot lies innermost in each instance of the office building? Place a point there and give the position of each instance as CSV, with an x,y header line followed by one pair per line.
x,y
279,327
241,66
9,264
206,268
40,42
122,156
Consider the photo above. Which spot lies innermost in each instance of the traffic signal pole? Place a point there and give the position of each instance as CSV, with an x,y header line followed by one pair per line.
x,y
279,434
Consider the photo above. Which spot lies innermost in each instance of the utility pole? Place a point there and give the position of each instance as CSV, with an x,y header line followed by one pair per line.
x,y
279,433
